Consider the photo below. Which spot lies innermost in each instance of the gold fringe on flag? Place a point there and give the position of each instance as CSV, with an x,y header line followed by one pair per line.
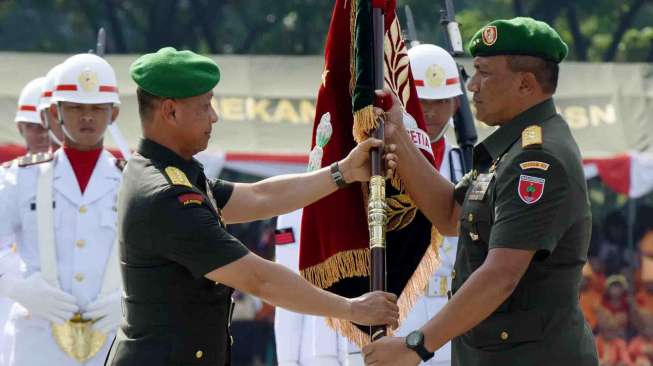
x,y
352,44
346,264
364,123
415,288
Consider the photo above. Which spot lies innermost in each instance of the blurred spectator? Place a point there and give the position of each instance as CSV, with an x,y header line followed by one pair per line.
x,y
591,295
612,349
614,251
640,348
613,314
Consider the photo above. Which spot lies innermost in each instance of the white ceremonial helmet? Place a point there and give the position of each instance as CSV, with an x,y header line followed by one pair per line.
x,y
47,87
28,102
86,79
435,72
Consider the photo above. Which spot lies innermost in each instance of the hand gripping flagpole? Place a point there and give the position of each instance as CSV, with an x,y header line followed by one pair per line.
x,y
376,215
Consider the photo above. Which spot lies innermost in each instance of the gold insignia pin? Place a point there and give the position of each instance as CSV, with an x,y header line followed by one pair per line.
x,y
177,177
490,35
531,136
435,76
88,81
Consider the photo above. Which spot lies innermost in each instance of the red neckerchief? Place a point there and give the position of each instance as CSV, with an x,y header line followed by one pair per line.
x,y
438,152
83,163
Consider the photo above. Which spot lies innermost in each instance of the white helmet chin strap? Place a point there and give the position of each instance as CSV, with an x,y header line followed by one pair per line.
x,y
63,126
54,138
442,132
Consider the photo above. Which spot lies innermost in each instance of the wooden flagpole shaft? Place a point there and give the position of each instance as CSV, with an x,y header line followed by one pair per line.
x,y
377,216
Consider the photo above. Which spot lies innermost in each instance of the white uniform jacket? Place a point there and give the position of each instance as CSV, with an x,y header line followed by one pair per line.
x,y
84,233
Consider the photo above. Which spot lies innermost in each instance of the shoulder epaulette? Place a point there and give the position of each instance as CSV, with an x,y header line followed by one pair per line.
x,y
120,164
177,177
531,137
33,159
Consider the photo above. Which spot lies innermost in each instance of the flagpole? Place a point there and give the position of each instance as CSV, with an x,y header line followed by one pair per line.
x,y
377,217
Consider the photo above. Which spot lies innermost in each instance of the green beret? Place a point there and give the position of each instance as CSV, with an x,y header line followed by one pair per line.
x,y
518,36
169,73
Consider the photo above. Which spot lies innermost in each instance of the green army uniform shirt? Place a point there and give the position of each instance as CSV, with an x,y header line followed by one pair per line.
x,y
527,191
171,235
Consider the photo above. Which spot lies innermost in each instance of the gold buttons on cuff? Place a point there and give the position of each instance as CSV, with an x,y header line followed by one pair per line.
x,y
199,354
504,336
80,243
79,277
82,209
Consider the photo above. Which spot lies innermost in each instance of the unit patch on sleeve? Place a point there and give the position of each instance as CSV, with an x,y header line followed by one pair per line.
x,y
190,199
530,189
284,236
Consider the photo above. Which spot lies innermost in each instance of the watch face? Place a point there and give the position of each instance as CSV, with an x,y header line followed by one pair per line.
x,y
414,339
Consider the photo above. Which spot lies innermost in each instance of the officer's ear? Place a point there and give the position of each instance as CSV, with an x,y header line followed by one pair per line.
x,y
169,110
529,84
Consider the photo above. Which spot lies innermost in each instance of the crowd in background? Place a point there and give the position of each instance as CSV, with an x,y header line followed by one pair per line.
x,y
617,287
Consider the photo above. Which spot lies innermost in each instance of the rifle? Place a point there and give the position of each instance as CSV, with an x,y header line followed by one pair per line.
x,y
118,138
412,38
463,119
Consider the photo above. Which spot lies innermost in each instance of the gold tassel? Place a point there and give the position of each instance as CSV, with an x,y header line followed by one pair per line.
x,y
415,288
346,264
364,123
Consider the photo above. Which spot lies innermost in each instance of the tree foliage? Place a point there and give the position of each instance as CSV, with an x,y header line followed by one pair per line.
x,y
596,30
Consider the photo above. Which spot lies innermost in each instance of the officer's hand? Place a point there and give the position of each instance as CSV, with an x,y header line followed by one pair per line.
x,y
39,297
356,166
394,114
375,308
390,351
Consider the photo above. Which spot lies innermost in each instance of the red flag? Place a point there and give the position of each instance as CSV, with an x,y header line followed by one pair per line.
x,y
334,252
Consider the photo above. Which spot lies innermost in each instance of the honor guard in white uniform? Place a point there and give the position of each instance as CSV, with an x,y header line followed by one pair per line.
x,y
302,340
438,87
36,141
61,207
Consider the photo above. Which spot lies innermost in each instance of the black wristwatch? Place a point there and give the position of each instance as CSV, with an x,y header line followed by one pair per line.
x,y
415,341
337,177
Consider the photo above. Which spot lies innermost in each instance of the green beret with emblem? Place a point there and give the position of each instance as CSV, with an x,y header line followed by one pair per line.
x,y
519,36
169,73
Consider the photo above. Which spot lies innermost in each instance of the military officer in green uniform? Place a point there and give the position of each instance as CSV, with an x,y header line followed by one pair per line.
x,y
522,216
178,263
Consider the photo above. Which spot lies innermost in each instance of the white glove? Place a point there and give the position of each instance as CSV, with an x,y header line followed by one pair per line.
x,y
39,297
106,312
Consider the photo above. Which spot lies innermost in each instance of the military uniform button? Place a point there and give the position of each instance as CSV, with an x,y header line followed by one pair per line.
x,y
474,174
453,274
473,236
470,217
80,243
199,354
79,277
504,336
82,209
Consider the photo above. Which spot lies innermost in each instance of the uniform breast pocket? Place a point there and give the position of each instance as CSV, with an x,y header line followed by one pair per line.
x,y
109,219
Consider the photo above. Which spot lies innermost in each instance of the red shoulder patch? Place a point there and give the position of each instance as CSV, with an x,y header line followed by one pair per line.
x,y
190,198
284,236
530,189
